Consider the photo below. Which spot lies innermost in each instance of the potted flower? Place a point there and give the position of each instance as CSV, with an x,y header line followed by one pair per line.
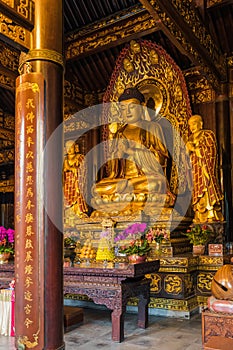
x,y
199,235
6,244
155,236
138,245
158,235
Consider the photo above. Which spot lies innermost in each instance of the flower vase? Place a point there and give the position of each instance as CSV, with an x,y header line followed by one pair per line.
x,y
155,250
4,257
198,249
135,259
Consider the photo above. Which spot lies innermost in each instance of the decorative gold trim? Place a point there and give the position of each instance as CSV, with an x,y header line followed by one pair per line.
x,y
189,14
42,54
104,37
16,33
6,81
25,341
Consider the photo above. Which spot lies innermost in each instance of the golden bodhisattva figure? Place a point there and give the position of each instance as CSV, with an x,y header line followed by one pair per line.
x,y
207,194
139,155
73,178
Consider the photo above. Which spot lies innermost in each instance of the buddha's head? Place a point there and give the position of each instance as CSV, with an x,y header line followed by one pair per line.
x,y
195,123
154,58
128,65
135,46
70,146
131,105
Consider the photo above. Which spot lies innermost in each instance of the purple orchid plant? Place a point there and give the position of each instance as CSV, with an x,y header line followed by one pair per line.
x,y
138,243
7,238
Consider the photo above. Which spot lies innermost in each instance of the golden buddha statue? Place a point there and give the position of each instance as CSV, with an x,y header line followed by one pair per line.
x,y
139,155
73,179
207,195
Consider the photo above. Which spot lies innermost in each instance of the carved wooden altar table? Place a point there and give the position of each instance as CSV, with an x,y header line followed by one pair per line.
x,y
112,287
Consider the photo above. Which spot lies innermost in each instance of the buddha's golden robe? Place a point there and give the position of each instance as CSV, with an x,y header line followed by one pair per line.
x,y
139,158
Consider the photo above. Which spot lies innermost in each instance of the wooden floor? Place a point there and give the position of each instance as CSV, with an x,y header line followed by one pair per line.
x,y
163,333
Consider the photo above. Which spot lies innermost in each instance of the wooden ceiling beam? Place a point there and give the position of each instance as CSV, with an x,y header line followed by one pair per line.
x,y
14,34
16,22
182,23
20,12
114,30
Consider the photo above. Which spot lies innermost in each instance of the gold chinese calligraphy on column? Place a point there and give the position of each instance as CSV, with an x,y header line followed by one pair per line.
x,y
28,213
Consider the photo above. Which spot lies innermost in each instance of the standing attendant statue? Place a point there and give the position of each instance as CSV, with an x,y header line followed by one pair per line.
x,y
73,179
207,194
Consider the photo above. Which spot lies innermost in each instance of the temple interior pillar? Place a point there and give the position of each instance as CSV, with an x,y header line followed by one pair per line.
x,y
39,321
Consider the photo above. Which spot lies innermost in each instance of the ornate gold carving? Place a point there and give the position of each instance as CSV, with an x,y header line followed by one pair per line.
x,y
28,86
202,301
7,186
6,81
9,2
173,284
7,156
156,282
24,340
109,21
190,16
106,36
204,282
210,3
7,137
9,58
14,32
211,260
73,92
9,123
173,304
41,54
174,261
199,87
25,8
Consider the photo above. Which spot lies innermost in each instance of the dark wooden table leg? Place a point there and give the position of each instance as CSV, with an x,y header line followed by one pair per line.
x,y
118,325
143,302
143,312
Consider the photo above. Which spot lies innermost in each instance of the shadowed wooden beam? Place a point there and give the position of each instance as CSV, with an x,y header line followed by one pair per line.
x,y
183,25
114,30
21,13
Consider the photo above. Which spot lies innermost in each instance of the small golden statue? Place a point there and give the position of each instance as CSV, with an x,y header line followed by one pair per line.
x,y
207,194
139,155
73,179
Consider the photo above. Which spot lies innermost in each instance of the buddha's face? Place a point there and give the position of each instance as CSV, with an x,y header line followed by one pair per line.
x,y
154,57
135,46
131,110
128,66
195,124
70,147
